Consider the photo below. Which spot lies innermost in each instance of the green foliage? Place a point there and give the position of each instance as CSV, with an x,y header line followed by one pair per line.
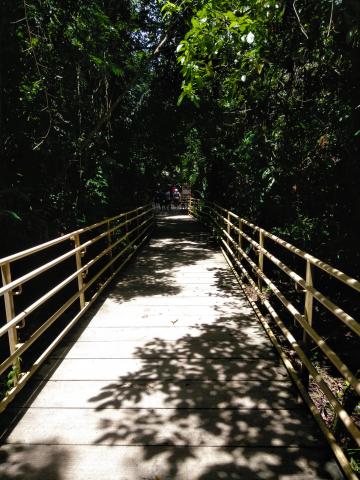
x,y
303,229
193,161
277,83
224,35
96,188
271,128
354,455
10,214
13,375
63,66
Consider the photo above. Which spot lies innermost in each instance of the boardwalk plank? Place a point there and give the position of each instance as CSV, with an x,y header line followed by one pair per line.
x,y
84,462
163,368
127,349
166,426
249,335
102,394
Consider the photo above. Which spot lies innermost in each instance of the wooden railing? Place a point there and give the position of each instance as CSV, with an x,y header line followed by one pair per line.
x,y
289,317
86,260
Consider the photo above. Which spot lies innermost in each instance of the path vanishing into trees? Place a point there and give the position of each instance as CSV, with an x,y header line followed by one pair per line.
x,y
170,376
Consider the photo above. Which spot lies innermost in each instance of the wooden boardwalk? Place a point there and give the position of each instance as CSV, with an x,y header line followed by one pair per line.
x,y
170,377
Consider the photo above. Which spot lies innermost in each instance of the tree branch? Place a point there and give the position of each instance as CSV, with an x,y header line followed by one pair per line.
x,y
331,18
298,18
47,107
107,115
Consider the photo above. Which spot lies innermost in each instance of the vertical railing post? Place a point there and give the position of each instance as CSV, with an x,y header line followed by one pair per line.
x,y
80,277
126,224
261,257
228,228
308,309
308,315
240,239
10,314
109,241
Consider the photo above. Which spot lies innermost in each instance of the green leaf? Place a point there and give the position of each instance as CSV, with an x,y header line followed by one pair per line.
x,y
117,71
34,41
11,214
98,61
180,99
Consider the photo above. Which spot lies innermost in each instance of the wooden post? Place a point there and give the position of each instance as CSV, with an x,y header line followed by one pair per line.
x,y
76,239
308,315
261,257
10,314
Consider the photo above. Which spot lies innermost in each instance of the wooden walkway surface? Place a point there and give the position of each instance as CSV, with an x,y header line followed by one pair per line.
x,y
170,377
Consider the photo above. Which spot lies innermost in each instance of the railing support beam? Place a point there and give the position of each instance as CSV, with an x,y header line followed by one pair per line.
x,y
308,315
261,257
80,278
228,227
109,241
10,314
240,239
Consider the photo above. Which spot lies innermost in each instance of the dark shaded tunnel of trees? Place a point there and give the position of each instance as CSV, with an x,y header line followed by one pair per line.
x,y
254,104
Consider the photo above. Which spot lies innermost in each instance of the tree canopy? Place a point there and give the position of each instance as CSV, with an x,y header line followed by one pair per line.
x,y
254,103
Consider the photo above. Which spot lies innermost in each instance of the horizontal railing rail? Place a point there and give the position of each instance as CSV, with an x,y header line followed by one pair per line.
x,y
246,247
93,256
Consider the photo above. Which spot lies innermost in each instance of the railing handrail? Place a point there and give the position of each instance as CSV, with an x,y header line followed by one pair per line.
x,y
334,272
136,226
21,316
45,245
34,273
229,229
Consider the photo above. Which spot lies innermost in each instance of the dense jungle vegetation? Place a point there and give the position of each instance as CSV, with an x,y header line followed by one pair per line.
x,y
255,103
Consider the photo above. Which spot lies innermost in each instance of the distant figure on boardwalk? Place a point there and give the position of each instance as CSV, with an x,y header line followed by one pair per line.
x,y
176,198
172,190
165,201
157,199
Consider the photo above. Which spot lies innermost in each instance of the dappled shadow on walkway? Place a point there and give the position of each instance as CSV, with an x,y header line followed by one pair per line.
x,y
201,396
215,403
156,269
33,462
216,389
